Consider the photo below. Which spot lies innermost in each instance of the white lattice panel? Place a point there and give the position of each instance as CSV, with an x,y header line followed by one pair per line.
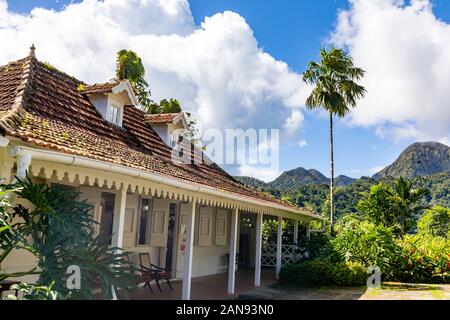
x,y
289,254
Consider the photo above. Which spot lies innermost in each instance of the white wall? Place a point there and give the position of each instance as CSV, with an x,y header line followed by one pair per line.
x,y
206,260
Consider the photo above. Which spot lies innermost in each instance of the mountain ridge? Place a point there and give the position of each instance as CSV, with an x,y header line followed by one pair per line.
x,y
418,159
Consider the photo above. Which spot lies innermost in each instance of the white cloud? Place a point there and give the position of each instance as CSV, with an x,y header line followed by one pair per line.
x,y
376,169
262,173
405,50
217,70
294,122
302,143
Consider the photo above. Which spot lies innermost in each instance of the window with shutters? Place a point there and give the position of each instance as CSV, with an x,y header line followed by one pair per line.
x,y
205,227
221,228
144,222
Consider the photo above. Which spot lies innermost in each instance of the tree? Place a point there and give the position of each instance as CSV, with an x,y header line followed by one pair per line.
x,y
170,106
59,231
408,202
129,66
335,91
396,206
378,205
435,222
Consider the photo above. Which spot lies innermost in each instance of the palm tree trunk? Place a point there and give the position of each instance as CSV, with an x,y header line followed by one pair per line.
x,y
331,176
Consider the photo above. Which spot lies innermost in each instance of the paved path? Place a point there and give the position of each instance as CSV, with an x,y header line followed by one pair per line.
x,y
389,291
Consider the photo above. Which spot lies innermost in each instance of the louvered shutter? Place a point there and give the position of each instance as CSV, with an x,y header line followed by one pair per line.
x,y
160,217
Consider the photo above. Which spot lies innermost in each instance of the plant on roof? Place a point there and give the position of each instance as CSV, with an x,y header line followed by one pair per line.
x,y
80,87
59,231
129,66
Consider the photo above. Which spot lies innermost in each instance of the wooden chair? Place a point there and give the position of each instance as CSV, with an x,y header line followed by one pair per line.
x,y
158,272
144,277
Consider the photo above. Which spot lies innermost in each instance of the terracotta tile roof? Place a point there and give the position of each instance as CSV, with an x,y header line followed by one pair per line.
x,y
100,87
43,107
161,118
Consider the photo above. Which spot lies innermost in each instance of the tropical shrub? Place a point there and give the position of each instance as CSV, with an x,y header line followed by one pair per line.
x,y
363,242
423,259
59,231
396,206
435,222
319,272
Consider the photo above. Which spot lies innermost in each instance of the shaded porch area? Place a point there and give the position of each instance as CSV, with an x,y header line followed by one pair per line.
x,y
207,288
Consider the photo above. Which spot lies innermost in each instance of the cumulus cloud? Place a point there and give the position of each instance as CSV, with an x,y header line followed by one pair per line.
x,y
217,69
405,49
294,122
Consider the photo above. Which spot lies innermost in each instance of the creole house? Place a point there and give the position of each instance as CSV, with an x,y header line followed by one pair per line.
x,y
95,138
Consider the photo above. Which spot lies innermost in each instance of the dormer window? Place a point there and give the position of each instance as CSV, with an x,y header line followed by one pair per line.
x,y
167,124
110,98
115,113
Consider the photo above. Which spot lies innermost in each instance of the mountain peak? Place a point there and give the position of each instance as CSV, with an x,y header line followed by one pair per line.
x,y
419,159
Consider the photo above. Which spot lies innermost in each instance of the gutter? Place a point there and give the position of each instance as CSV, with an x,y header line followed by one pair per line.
x,y
70,160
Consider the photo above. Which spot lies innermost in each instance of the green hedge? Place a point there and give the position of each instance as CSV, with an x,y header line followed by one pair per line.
x,y
318,272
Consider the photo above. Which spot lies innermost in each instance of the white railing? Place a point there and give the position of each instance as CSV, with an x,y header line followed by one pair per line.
x,y
289,254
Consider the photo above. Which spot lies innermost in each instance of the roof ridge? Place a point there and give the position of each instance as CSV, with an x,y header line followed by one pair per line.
x,y
19,106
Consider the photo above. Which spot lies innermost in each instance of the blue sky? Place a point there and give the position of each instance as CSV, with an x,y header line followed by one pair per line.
x,y
293,31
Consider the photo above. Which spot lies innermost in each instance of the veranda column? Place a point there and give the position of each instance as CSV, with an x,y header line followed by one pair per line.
x,y
279,246
6,163
119,217
308,237
118,223
259,222
22,159
296,232
189,247
233,245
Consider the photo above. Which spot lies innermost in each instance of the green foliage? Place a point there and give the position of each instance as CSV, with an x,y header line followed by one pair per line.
x,y
170,106
81,87
318,272
33,292
439,190
129,66
435,222
397,206
365,242
423,259
335,89
378,205
58,230
270,231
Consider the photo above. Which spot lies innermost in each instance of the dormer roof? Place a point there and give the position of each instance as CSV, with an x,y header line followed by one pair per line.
x,y
113,86
165,118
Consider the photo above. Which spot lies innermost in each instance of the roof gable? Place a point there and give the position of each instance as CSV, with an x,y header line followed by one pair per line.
x,y
113,86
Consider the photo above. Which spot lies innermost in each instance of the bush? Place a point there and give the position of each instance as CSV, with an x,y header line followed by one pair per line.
x,y
365,243
424,259
318,272
435,222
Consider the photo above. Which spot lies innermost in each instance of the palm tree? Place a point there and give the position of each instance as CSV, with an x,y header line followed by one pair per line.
x,y
408,202
336,91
